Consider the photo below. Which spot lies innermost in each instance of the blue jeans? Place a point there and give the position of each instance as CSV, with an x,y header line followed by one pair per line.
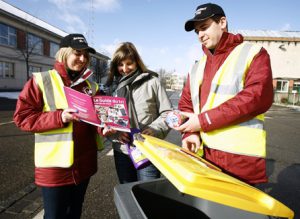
x,y
127,173
64,202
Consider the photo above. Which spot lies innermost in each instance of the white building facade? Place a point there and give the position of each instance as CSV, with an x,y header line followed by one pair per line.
x,y
29,45
174,81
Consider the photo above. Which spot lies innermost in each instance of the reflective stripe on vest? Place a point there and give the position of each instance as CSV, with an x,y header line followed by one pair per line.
x,y
247,138
53,137
196,77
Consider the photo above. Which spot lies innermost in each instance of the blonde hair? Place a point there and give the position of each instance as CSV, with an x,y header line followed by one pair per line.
x,y
125,50
64,52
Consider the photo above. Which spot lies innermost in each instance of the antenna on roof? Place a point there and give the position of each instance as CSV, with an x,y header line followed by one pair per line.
x,y
90,30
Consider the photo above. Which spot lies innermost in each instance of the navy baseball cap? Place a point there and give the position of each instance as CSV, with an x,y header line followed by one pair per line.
x,y
202,13
76,41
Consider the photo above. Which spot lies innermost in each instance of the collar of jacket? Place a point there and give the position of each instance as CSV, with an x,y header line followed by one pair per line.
x,y
60,68
145,76
227,42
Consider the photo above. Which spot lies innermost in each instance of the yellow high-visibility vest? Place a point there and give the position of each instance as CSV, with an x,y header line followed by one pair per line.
x,y
247,138
55,148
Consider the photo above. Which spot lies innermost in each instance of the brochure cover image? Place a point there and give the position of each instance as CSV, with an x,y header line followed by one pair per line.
x,y
99,110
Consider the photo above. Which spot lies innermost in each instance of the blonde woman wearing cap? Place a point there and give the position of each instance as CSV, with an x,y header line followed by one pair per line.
x,y
225,96
65,149
147,102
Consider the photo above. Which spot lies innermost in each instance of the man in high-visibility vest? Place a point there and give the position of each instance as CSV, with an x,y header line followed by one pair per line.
x,y
65,148
226,94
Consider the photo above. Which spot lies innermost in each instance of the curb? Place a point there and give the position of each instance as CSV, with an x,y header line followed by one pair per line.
x,y
294,107
23,204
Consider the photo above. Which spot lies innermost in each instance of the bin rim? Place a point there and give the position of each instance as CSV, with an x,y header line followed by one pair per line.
x,y
199,178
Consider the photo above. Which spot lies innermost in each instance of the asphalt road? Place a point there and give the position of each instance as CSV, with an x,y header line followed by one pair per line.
x,y
19,198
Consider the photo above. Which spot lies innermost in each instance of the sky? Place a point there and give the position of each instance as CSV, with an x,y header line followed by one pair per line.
x,y
156,27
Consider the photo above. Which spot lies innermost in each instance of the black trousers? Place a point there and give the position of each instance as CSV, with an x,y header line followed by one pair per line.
x,y
64,202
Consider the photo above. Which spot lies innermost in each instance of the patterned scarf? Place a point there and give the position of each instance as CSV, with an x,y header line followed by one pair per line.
x,y
124,90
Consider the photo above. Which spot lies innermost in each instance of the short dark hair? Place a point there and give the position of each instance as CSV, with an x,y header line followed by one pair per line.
x,y
217,19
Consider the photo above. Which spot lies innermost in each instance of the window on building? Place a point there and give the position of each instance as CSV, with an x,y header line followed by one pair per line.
x,y
34,69
296,86
35,44
6,70
8,35
282,86
54,47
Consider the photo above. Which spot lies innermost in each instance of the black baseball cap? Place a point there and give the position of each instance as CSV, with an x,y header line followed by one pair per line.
x,y
202,13
76,41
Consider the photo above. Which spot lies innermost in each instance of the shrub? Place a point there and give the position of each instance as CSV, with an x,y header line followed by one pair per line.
x,y
284,100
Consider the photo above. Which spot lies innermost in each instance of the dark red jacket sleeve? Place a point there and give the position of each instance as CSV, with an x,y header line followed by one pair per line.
x,y
256,97
185,102
29,115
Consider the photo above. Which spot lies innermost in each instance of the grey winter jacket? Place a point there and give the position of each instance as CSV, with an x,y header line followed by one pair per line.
x,y
151,104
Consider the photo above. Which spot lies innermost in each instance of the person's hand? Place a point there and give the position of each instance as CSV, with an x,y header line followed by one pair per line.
x,y
148,131
69,116
107,130
124,137
191,125
192,143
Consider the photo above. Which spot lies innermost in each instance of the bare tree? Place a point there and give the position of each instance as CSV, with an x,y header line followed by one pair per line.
x,y
161,73
27,46
100,70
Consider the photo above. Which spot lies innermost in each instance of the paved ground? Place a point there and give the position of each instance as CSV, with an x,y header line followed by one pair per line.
x,y
283,126
27,202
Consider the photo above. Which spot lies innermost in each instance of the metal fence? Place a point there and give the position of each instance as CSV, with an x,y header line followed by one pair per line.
x,y
291,98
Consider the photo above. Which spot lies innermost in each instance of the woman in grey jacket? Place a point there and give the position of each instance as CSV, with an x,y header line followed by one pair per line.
x,y
147,103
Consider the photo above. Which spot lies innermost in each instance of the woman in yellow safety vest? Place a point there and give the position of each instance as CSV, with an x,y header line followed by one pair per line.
x,y
65,148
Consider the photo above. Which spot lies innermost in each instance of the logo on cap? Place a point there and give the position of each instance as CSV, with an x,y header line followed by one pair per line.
x,y
80,39
199,11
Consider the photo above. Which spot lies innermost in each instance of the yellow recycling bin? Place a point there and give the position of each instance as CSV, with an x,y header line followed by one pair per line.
x,y
195,176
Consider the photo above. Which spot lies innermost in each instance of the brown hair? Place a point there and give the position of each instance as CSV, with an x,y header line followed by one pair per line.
x,y
126,50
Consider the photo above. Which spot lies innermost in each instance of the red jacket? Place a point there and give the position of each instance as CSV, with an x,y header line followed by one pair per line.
x,y
256,98
29,116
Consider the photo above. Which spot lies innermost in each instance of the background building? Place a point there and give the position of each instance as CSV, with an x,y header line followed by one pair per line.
x,y
174,81
28,45
284,50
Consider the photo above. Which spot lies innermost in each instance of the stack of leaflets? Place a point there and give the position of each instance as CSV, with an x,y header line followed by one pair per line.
x,y
99,110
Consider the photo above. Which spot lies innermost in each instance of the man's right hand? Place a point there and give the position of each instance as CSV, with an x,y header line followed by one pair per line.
x,y
191,125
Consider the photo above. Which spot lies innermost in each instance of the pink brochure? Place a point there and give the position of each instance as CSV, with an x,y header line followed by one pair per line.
x,y
99,110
